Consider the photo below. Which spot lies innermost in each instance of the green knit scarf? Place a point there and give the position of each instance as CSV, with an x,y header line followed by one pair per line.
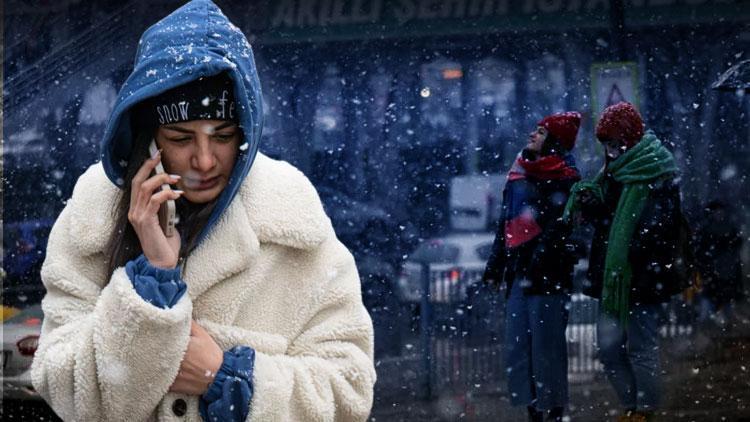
x,y
645,163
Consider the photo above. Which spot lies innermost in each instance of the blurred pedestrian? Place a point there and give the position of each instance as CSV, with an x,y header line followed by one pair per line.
x,y
636,260
250,309
718,245
532,254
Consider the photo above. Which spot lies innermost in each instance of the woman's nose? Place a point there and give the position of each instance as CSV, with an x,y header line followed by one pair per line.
x,y
204,158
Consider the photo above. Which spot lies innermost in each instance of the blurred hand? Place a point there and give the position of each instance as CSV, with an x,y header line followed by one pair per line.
x,y
587,198
200,364
145,199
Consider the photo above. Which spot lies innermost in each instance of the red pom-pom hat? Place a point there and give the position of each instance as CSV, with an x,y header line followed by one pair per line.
x,y
563,127
620,122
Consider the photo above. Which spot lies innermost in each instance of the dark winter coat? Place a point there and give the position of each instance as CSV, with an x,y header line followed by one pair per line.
x,y
656,250
546,261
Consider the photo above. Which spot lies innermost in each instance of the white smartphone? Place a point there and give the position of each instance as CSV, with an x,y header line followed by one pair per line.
x,y
168,209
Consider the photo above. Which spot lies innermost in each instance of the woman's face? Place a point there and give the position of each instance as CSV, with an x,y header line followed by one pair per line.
x,y
203,153
536,139
613,148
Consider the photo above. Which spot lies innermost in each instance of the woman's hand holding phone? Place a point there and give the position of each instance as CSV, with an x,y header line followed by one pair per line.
x,y
145,200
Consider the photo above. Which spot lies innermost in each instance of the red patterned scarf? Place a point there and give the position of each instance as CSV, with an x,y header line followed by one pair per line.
x,y
551,167
520,213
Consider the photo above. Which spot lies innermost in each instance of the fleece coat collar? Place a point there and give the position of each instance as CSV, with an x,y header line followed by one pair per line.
x,y
275,204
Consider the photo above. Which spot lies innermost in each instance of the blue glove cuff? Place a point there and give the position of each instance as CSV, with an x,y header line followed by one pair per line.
x,y
228,397
160,287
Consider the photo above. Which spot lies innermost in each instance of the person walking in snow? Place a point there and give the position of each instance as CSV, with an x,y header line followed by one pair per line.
x,y
250,310
636,259
532,254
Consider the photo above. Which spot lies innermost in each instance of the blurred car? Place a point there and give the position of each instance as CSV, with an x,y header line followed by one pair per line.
x,y
348,215
456,261
8,311
24,244
20,340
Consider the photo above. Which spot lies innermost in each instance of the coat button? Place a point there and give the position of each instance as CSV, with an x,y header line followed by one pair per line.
x,y
179,407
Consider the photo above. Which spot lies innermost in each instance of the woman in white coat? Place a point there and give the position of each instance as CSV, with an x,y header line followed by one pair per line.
x,y
251,310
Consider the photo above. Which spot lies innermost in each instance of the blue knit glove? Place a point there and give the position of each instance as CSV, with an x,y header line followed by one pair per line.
x,y
157,286
228,397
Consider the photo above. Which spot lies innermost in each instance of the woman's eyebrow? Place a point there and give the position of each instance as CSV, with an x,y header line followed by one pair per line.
x,y
178,129
224,125
183,130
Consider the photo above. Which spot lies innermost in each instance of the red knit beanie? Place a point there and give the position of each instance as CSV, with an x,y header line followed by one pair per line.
x,y
563,127
620,122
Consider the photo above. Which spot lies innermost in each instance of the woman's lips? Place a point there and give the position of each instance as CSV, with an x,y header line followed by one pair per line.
x,y
204,184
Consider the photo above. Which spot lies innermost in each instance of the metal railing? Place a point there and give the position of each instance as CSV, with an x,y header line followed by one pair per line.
x,y
461,332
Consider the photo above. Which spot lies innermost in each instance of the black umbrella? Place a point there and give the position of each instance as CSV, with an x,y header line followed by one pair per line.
x,y
735,78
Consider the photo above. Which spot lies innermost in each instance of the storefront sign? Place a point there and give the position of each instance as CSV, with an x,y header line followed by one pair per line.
x,y
303,20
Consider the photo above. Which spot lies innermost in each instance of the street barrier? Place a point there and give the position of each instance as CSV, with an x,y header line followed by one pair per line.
x,y
461,330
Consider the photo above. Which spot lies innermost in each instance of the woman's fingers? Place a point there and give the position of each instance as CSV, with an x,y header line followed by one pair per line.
x,y
155,181
197,330
184,385
140,176
177,385
148,166
150,185
141,213
586,197
159,198
143,188
198,368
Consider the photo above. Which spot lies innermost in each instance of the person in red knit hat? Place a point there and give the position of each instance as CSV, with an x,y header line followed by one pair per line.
x,y
620,127
638,253
531,255
563,128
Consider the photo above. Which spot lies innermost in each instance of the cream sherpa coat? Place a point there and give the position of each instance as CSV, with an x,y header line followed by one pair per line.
x,y
271,275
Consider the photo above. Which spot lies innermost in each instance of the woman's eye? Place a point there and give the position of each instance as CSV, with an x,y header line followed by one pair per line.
x,y
181,139
225,136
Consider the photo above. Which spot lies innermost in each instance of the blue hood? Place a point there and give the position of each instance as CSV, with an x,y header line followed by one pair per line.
x,y
194,41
